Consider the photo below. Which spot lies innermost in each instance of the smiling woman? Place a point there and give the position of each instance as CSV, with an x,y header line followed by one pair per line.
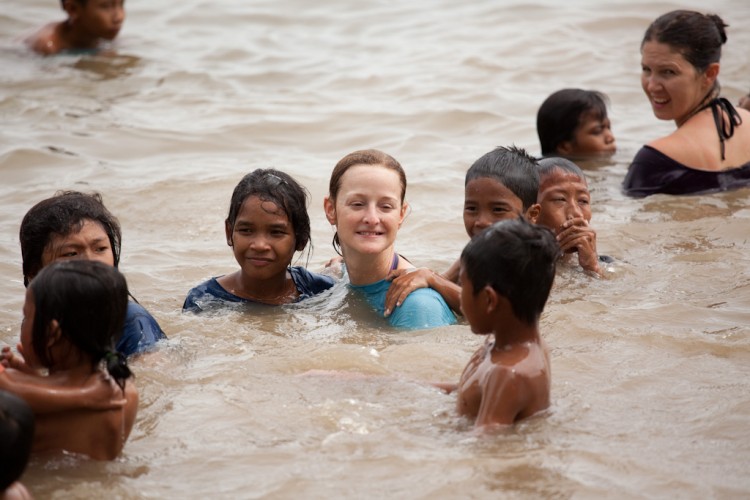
x,y
710,150
366,203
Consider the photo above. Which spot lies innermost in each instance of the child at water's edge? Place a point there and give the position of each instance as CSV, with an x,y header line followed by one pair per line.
x,y
73,313
16,435
74,225
502,184
573,123
506,276
266,225
564,206
89,22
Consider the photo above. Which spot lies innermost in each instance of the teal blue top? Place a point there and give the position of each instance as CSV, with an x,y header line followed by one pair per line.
x,y
422,308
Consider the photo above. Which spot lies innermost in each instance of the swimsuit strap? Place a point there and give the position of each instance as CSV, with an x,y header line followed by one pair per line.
x,y
720,107
394,264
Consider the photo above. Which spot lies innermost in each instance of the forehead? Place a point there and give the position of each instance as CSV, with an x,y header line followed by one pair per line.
x,y
87,228
562,179
371,176
487,187
661,53
255,206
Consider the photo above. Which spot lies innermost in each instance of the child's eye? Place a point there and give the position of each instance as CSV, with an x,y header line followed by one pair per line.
x,y
470,208
583,201
500,210
71,253
386,207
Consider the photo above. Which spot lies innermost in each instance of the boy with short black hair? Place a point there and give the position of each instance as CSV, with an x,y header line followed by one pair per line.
x,y
564,206
89,23
501,184
506,276
573,123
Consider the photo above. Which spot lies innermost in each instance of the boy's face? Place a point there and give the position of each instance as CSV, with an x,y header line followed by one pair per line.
x,y
563,196
90,243
592,137
100,18
487,201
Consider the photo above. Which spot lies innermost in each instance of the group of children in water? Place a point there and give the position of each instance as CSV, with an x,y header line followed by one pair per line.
x,y
69,387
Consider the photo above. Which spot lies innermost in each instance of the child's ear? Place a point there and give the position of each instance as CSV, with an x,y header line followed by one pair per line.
x,y
490,299
532,214
72,8
565,148
228,231
330,209
53,333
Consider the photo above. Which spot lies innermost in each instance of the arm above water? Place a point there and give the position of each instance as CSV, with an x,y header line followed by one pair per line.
x,y
405,281
98,393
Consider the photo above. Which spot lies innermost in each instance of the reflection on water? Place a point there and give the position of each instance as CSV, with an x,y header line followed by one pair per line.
x,y
650,364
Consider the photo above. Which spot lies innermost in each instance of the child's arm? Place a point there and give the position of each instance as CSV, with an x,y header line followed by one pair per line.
x,y
10,360
452,273
576,233
99,393
405,281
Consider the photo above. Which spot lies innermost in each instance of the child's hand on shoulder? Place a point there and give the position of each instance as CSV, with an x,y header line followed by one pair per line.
x,y
403,282
101,393
577,236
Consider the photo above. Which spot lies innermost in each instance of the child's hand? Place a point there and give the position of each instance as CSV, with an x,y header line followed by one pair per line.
x,y
101,393
403,282
577,236
15,361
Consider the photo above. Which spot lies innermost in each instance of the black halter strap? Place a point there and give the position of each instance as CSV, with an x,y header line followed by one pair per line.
x,y
725,118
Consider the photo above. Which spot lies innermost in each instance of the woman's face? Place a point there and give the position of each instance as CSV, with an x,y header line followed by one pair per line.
x,y
367,211
673,86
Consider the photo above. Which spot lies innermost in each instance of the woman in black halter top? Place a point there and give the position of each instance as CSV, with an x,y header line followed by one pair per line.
x,y
710,150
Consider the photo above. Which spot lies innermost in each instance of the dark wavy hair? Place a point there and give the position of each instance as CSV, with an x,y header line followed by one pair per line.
x,y
281,189
698,37
89,300
63,214
517,259
512,167
562,112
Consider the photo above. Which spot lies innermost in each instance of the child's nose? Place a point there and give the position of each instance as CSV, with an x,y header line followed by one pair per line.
x,y
574,211
119,15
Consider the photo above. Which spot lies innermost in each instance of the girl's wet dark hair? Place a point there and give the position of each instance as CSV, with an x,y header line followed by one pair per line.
x,y
89,300
63,214
281,189
698,37
512,167
16,438
548,165
363,157
562,112
517,259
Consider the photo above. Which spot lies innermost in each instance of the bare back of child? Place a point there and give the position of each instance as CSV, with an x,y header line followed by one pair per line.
x,y
506,276
73,312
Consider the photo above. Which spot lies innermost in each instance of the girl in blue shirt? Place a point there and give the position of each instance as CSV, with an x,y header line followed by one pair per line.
x,y
266,225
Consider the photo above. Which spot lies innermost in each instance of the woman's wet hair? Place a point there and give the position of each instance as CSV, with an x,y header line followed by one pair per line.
x,y
89,300
63,214
512,167
517,259
549,165
563,111
698,37
372,157
282,190
16,438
